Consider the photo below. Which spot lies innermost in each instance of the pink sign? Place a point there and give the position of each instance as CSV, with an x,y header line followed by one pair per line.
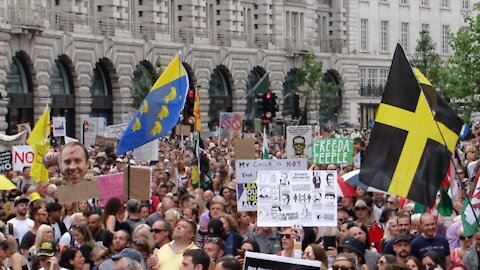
x,y
110,186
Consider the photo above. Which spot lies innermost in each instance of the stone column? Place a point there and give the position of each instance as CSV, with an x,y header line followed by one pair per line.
x,y
123,103
83,99
41,92
4,49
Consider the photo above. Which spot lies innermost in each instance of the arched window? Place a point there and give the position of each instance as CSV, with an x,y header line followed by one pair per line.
x,y
220,94
101,90
251,111
62,93
99,84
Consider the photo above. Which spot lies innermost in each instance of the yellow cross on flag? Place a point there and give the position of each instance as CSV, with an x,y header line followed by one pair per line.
x,y
414,134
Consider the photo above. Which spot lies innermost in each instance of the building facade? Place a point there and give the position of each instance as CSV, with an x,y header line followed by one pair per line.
x,y
89,57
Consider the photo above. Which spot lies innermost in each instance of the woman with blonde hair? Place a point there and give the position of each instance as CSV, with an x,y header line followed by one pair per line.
x,y
44,233
391,230
83,241
143,231
98,256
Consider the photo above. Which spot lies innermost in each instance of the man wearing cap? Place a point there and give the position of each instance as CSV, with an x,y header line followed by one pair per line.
x,y
74,162
131,254
401,246
20,224
47,256
170,256
119,166
356,247
404,226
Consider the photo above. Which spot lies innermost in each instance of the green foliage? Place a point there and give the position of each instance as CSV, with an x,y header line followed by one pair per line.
x,y
427,60
463,72
143,86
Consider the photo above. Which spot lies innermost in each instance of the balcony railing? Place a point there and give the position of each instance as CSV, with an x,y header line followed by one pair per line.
x,y
371,91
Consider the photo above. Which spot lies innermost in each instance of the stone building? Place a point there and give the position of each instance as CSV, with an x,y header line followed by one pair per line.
x,y
87,57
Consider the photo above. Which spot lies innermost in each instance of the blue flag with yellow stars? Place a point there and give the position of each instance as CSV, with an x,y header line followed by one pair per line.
x,y
159,111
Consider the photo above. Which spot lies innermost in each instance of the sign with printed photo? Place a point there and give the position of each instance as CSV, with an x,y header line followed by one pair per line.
x,y
333,151
289,198
299,141
59,126
226,131
246,174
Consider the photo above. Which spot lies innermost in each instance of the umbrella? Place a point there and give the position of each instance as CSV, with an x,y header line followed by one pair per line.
x,y
6,184
353,178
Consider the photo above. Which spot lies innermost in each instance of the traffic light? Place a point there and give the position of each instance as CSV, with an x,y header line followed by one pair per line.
x,y
267,105
188,110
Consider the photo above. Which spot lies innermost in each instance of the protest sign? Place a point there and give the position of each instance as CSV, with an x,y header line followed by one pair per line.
x,y
5,161
299,141
6,141
246,174
245,148
78,192
146,152
236,126
262,261
106,142
70,139
22,156
182,130
140,183
59,126
110,186
226,132
289,198
115,131
333,151
91,127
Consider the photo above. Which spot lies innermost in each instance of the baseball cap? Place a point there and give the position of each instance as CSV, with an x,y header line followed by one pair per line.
x,y
401,238
119,160
215,228
354,245
21,199
360,203
129,253
47,248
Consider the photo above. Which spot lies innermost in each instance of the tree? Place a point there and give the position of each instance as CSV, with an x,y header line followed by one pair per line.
x,y
143,86
463,73
428,60
311,84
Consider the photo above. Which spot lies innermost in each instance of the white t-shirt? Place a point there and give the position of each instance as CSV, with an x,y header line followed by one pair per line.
x,y
20,227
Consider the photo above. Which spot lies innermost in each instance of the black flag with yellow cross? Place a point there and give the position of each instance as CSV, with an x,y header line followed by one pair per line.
x,y
414,134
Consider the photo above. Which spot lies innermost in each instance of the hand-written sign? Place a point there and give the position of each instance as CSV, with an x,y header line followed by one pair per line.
x,y
333,151
110,186
246,174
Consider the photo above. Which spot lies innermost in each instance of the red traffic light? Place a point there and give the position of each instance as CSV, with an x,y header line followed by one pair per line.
x,y
267,96
191,94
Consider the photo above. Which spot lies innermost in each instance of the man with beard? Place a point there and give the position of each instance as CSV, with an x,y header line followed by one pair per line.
x,y
20,224
101,235
121,240
401,246
404,226
74,162
170,256
39,216
54,211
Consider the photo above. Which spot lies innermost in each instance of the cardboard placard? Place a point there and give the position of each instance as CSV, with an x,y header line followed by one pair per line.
x,y
245,148
78,192
5,161
182,130
140,179
106,141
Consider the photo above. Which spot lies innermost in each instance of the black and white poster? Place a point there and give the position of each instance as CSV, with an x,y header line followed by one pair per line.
x,y
289,198
260,261
5,161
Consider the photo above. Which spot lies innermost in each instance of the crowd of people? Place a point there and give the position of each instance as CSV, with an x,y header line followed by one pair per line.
x,y
197,226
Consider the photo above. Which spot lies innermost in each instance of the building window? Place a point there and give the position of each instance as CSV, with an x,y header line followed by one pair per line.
x,y
99,8
445,3
140,2
363,34
425,27
445,34
372,80
404,2
179,7
384,36
404,37
424,3
466,4
140,14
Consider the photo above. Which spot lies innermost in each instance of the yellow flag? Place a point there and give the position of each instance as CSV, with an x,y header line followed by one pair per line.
x,y
196,112
39,140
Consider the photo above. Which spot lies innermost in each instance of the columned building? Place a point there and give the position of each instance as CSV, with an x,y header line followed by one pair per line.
x,y
89,57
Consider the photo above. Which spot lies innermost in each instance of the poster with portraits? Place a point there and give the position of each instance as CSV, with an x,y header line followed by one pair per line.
x,y
289,198
299,142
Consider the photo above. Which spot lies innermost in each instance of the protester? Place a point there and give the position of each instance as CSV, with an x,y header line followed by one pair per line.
x,y
170,256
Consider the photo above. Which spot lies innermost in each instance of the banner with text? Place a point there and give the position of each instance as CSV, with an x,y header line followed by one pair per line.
x,y
333,151
22,156
261,261
289,198
5,161
299,142
246,174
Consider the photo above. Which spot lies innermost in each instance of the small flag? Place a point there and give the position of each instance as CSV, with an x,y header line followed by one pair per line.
x,y
196,112
414,134
469,214
159,111
39,140
448,190
265,153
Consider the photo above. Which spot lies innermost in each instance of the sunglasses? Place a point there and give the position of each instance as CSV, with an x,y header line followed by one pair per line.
x,y
308,254
462,237
336,267
157,230
360,209
286,235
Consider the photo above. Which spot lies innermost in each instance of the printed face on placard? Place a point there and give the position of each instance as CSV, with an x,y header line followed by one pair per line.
x,y
73,163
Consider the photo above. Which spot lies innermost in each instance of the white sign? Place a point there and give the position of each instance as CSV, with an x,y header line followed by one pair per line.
x,y
299,142
91,127
70,139
289,198
146,152
246,174
115,131
7,141
22,156
59,126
